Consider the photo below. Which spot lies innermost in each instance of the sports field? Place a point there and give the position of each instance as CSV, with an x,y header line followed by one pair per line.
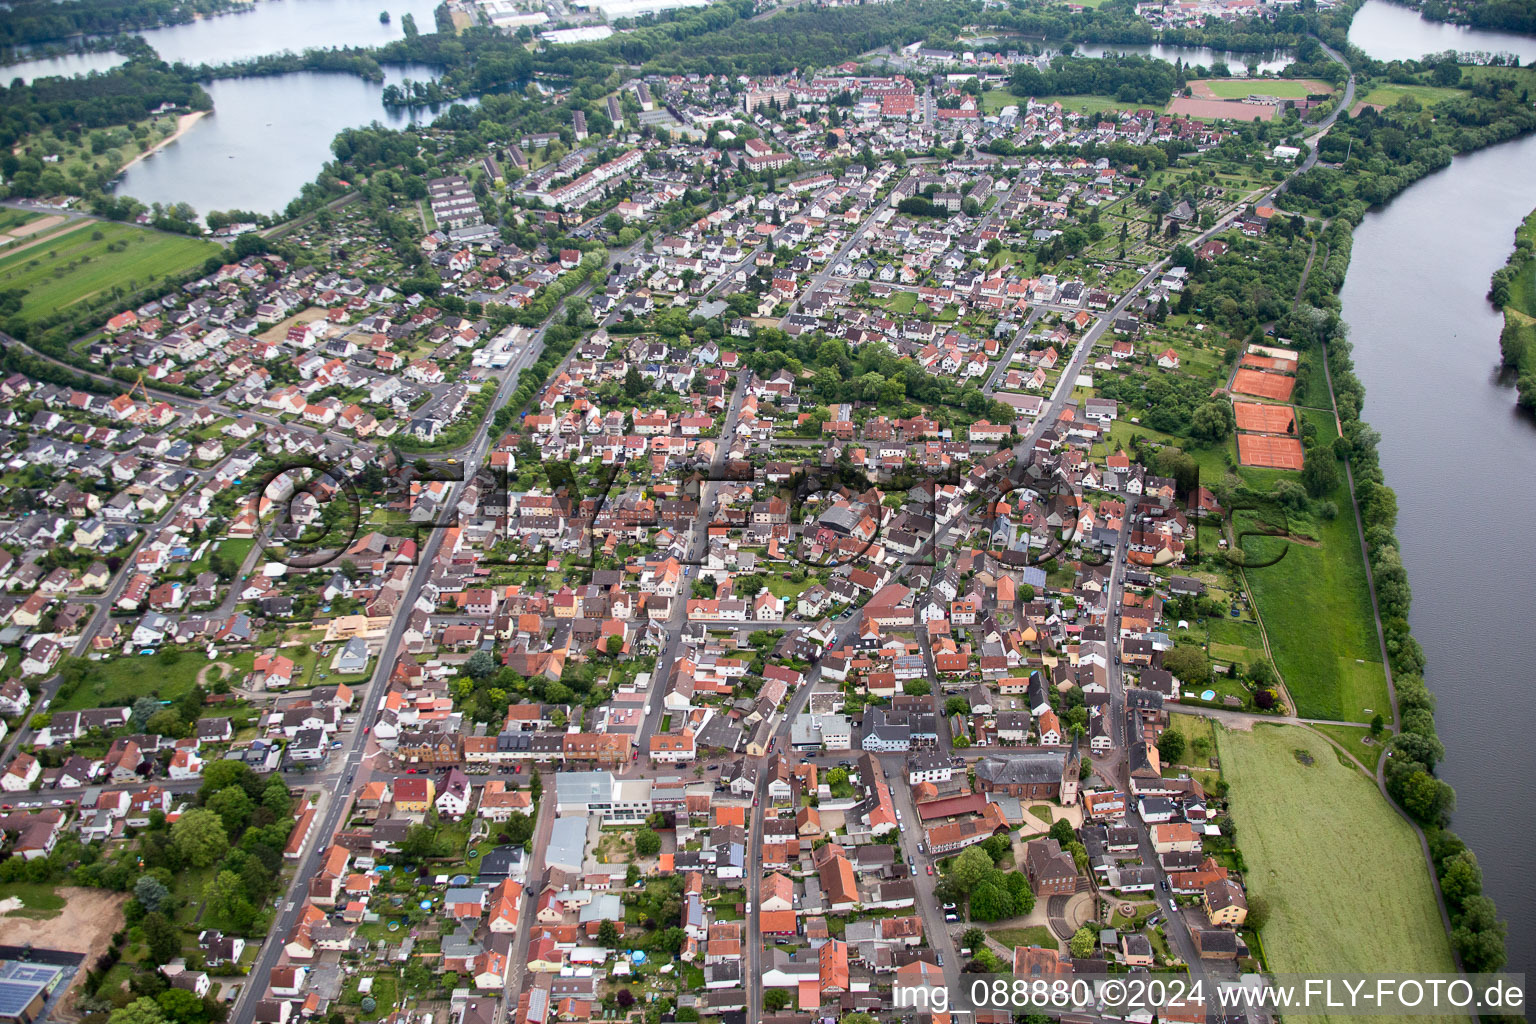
x,y
1265,419
1270,452
1346,885
1264,385
85,264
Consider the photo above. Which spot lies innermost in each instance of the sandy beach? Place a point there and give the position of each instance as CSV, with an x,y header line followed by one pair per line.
x,y
183,124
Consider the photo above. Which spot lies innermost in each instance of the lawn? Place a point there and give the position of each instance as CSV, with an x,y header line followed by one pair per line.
x,y
1034,935
1386,95
1346,885
90,261
1317,612
1242,88
994,100
119,681
38,900
1353,737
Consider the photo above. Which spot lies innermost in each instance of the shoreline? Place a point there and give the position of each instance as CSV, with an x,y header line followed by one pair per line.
x,y
184,124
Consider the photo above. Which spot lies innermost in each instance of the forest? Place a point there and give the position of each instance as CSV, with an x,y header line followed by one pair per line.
x,y
1128,79
40,21
127,93
1494,15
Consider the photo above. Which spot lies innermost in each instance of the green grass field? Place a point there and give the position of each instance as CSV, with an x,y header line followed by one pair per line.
x,y
1352,738
11,219
87,263
1317,612
38,900
1241,88
1388,94
1343,876
1034,935
996,99
164,676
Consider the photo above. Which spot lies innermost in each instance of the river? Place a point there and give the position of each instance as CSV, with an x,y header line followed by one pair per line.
x,y
1463,462
1389,31
266,138
1461,457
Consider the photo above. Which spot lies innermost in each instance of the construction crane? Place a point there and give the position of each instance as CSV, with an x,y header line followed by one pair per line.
x,y
138,385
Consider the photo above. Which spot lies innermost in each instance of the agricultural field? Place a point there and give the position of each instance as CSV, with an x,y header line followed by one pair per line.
x,y
1343,878
95,262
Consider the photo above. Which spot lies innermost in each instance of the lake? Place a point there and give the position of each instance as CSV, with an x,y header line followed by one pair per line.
x,y
266,138
1462,459
1196,55
65,64
272,26
1389,31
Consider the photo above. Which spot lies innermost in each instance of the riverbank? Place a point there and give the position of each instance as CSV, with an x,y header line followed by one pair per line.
x,y
1451,229
1513,292
184,124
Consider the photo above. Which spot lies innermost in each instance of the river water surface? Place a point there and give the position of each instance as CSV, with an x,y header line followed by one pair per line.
x,y
1389,31
1463,462
1462,459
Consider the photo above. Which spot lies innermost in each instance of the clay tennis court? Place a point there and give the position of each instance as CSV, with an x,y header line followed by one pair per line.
x,y
1215,110
1269,452
1258,362
1265,419
1264,385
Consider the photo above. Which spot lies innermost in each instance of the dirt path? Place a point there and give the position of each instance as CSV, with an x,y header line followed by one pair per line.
x,y
34,228
226,669
42,239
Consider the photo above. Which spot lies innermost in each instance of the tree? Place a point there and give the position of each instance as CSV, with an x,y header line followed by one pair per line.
x,y
228,902
182,1006
1082,943
917,688
775,999
150,892
1319,472
991,902
1427,798
420,842
140,1011
608,934
1378,724
199,837
416,975
1188,663
957,706
615,646
143,709
974,938
480,665
233,807
970,869
161,937
1061,831
1171,745
1461,878
647,843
